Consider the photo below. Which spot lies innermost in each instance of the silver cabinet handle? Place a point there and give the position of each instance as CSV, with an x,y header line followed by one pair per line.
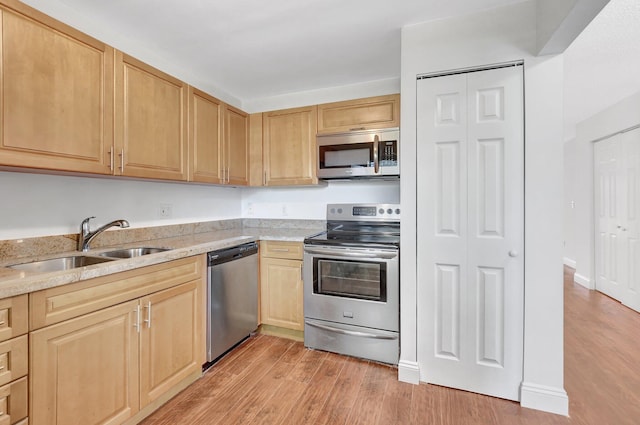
x,y
148,319
513,253
280,249
348,332
111,159
136,324
121,154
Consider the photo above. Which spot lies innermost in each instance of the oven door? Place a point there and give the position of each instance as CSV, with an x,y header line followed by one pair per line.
x,y
356,286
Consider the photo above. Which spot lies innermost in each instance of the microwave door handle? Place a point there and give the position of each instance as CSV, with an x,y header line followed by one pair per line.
x,y
376,162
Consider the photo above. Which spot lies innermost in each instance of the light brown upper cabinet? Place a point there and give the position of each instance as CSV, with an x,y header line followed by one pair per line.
x,y
236,136
150,121
205,138
289,140
360,114
56,94
218,141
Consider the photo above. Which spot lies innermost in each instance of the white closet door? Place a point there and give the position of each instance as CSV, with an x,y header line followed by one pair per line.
x,y
608,217
617,204
471,231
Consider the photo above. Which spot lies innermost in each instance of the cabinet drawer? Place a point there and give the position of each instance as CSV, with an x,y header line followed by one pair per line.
x,y
65,302
13,403
281,249
14,317
13,359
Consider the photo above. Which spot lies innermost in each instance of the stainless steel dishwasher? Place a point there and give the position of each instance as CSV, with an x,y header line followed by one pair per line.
x,y
232,298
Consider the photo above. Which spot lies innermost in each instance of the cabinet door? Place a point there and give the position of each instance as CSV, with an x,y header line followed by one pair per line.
x,y
290,147
150,122
236,133
85,371
205,138
56,94
281,293
360,114
171,339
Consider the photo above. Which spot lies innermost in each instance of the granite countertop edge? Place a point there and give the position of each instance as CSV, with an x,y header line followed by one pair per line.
x,y
15,282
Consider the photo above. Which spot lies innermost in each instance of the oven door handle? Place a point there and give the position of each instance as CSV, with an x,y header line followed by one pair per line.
x,y
350,333
387,255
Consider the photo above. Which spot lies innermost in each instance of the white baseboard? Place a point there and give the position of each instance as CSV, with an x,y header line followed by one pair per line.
x,y
569,262
409,372
547,399
584,281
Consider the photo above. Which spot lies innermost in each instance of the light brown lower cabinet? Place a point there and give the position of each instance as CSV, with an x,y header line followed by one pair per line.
x,y
85,370
13,403
281,284
111,366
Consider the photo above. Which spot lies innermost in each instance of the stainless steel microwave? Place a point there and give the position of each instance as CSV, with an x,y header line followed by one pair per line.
x,y
359,154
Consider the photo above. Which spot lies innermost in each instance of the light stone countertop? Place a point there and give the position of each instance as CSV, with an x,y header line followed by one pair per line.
x,y
17,282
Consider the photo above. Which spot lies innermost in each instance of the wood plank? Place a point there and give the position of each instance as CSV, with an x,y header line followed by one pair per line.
x,y
343,395
371,395
311,402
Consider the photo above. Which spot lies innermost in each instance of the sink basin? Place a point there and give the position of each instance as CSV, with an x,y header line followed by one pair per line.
x,y
131,252
58,264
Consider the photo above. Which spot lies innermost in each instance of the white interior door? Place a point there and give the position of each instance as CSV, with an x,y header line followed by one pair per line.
x,y
617,204
607,242
471,231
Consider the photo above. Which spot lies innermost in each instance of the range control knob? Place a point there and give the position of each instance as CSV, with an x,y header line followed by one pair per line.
x,y
381,211
339,210
397,210
333,210
389,211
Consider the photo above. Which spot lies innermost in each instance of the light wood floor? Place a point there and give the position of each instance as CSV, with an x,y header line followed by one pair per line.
x,y
269,380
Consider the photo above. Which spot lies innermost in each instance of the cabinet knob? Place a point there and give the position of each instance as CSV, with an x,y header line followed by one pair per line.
x,y
513,253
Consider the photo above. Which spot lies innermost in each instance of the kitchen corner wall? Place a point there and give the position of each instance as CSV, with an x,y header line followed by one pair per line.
x,y
310,202
43,205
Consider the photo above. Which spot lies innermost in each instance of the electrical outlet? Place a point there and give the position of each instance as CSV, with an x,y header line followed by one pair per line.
x,y
250,208
285,212
165,210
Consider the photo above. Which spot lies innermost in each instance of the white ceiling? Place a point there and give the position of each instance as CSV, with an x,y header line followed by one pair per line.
x,y
255,49
247,50
602,66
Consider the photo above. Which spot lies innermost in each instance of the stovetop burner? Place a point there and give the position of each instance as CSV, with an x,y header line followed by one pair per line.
x,y
360,224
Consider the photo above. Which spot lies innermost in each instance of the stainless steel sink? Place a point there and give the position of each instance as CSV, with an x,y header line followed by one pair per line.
x,y
58,264
131,252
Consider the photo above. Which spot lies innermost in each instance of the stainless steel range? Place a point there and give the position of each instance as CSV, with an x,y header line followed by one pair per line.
x,y
352,282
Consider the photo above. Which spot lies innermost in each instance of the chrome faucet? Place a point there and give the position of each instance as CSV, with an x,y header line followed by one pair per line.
x,y
86,235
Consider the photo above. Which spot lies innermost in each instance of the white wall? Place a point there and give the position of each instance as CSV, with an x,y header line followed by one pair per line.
x,y
310,202
42,205
571,169
499,35
579,234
